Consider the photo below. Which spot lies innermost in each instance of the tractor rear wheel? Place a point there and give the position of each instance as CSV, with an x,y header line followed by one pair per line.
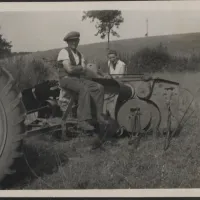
x,y
12,116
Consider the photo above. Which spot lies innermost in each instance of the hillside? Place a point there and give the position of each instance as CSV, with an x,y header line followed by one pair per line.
x,y
176,44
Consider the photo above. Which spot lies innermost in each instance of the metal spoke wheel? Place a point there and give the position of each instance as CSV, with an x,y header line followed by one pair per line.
x,y
177,118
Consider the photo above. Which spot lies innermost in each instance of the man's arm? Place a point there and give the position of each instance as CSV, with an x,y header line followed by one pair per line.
x,y
72,69
123,69
104,75
83,62
63,57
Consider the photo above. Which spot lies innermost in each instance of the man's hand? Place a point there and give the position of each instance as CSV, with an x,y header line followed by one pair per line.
x,y
99,71
103,75
107,76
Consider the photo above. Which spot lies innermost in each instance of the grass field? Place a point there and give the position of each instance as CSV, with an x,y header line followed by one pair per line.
x,y
117,165
71,165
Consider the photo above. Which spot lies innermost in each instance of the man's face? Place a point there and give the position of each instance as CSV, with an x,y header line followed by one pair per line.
x,y
73,44
112,58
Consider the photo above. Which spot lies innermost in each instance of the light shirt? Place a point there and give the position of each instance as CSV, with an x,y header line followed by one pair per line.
x,y
119,70
63,55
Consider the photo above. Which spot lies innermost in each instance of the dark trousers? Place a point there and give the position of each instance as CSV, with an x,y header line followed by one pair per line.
x,y
87,91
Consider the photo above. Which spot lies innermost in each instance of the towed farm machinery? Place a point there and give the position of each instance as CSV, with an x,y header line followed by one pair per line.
x,y
137,105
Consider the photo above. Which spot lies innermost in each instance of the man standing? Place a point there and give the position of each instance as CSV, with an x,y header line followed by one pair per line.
x,y
71,75
116,67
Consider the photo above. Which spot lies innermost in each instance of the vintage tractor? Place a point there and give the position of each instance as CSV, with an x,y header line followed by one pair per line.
x,y
137,105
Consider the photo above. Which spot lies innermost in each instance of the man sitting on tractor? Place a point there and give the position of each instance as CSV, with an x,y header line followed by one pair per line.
x,y
71,74
116,67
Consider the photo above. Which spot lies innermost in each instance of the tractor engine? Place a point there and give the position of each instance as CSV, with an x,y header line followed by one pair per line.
x,y
135,103
143,105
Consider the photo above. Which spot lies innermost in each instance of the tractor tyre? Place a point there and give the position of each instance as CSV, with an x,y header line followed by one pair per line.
x,y
12,128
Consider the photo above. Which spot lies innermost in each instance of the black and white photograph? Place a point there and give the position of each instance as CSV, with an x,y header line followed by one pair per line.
x,y
100,95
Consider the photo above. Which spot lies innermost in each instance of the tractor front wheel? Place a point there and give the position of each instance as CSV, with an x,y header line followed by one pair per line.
x,y
12,116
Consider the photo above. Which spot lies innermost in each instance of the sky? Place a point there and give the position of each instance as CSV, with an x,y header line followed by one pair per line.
x,y
43,30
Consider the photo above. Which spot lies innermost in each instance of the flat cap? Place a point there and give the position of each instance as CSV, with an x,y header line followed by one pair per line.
x,y
72,35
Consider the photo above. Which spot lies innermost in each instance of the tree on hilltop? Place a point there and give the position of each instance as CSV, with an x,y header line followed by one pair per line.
x,y
106,21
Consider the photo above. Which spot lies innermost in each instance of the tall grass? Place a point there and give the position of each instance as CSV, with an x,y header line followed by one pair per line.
x,y
28,71
157,59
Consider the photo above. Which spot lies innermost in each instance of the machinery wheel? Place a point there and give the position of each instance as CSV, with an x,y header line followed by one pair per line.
x,y
149,115
12,116
178,117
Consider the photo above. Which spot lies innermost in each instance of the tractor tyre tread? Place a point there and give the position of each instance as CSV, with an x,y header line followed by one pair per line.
x,y
14,111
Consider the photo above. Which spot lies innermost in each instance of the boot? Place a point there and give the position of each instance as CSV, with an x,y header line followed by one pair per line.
x,y
96,143
101,136
102,119
84,125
